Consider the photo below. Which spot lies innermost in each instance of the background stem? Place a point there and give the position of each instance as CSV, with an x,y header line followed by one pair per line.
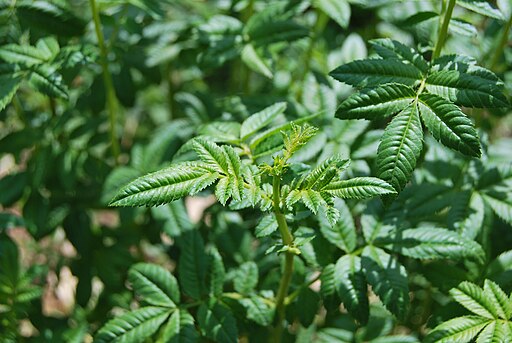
x,y
501,44
443,30
112,104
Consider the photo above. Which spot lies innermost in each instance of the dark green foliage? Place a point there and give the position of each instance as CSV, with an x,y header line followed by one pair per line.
x,y
255,171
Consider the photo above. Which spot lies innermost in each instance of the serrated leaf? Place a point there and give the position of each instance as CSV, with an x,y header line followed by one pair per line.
x,y
501,204
217,273
498,176
449,125
266,226
375,72
499,299
193,264
25,55
8,86
322,174
495,332
352,288
388,48
388,279
165,185
154,285
258,310
211,154
400,148
313,200
47,81
473,298
467,213
359,188
246,278
180,328
431,243
343,233
254,61
466,89
461,329
337,10
224,188
217,323
259,120
482,7
376,103
235,175
134,326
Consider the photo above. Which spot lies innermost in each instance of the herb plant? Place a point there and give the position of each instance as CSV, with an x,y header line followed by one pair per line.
x,y
246,171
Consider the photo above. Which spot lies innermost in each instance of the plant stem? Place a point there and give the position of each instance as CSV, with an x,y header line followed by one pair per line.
x,y
501,44
321,21
288,264
107,80
443,30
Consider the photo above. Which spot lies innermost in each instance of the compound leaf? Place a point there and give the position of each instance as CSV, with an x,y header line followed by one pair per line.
x,y
461,329
473,298
259,120
218,323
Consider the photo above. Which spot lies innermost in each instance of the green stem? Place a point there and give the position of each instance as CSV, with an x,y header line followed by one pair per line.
x,y
107,80
288,264
321,22
501,45
443,31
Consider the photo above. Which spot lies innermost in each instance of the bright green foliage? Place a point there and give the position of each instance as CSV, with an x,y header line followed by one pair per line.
x,y
188,171
404,84
490,321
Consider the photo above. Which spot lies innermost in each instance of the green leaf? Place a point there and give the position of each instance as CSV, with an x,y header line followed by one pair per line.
x,y
217,323
337,10
307,305
266,226
193,264
375,72
431,243
175,216
499,299
495,332
376,103
449,125
461,329
501,203
272,25
482,7
359,188
466,89
211,154
25,55
179,329
473,298
467,213
388,279
258,310
246,278
165,185
400,148
47,81
217,272
8,86
343,233
154,285
254,61
352,288
495,177
391,49
135,326
259,120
